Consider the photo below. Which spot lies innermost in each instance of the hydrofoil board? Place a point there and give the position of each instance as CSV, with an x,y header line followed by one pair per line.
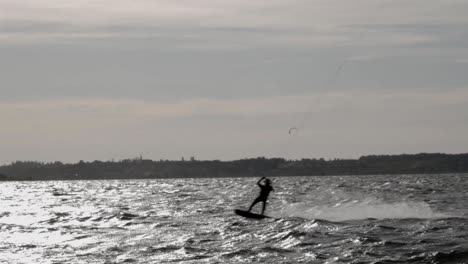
x,y
248,214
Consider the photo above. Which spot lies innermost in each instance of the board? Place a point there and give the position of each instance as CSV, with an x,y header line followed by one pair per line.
x,y
248,214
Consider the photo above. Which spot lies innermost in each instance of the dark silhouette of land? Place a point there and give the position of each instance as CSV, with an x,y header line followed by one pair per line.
x,y
138,168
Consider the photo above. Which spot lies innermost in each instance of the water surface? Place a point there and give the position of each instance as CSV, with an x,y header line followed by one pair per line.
x,y
349,219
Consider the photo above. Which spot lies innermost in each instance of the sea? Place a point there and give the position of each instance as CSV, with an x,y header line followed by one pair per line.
x,y
314,219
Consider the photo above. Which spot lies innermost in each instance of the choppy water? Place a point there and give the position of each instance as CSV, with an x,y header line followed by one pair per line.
x,y
353,219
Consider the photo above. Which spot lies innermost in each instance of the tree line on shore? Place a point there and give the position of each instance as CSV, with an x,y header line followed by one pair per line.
x,y
138,168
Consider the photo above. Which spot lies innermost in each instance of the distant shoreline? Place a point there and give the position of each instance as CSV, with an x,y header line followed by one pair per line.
x,y
424,163
227,177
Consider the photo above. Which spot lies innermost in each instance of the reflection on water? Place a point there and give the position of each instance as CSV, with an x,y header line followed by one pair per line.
x,y
362,219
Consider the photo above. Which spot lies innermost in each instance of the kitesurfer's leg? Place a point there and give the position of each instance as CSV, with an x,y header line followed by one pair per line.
x,y
257,200
264,206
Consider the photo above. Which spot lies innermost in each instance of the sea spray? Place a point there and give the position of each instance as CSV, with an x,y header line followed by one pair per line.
x,y
353,210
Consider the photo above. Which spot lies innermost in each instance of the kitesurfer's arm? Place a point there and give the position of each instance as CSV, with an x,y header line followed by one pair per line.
x,y
261,179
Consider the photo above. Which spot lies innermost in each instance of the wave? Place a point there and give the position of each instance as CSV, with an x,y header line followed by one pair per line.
x,y
454,256
356,210
451,257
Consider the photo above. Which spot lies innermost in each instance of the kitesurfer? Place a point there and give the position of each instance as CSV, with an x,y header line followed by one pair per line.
x,y
265,190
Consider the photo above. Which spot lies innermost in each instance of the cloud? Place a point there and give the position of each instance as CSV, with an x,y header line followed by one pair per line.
x,y
461,60
333,124
230,24
180,60
317,103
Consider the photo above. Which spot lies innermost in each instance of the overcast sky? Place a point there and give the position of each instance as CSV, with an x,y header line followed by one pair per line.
x,y
102,79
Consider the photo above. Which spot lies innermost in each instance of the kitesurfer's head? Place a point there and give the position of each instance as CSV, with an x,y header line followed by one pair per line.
x,y
267,182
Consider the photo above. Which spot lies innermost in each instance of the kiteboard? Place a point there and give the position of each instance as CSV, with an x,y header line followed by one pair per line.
x,y
248,214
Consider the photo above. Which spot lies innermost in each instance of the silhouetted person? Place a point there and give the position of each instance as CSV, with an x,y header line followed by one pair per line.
x,y
265,190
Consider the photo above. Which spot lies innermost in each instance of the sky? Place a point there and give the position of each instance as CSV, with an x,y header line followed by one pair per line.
x,y
110,80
